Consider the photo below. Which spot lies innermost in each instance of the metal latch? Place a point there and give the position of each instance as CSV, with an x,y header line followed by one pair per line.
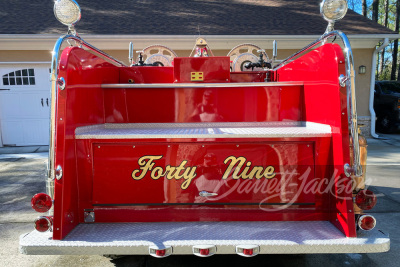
x,y
89,216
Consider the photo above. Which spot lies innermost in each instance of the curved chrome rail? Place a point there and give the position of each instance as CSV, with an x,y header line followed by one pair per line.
x,y
54,82
349,81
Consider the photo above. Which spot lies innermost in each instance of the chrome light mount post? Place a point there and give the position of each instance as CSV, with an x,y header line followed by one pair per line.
x,y
332,11
55,84
330,27
274,52
68,13
131,61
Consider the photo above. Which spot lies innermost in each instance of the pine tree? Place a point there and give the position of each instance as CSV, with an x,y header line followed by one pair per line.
x,y
395,45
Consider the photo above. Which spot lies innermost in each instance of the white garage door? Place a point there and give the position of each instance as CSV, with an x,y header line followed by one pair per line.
x,y
24,104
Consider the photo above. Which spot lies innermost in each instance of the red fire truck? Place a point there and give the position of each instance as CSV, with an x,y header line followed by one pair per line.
x,y
204,155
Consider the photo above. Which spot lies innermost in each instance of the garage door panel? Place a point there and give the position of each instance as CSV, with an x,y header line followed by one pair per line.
x,y
33,132
25,108
12,132
10,105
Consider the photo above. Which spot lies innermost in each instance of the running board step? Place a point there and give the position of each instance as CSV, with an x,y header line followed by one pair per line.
x,y
227,237
203,130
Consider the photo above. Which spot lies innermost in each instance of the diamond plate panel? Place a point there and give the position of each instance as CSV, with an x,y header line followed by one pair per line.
x,y
203,130
272,237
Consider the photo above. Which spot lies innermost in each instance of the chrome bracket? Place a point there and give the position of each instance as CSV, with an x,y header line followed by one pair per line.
x,y
88,215
342,80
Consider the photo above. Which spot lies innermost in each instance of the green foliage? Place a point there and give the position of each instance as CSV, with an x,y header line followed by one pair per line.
x,y
386,15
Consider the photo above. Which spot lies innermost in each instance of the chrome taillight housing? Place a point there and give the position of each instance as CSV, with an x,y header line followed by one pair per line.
x,y
365,199
366,222
44,224
41,202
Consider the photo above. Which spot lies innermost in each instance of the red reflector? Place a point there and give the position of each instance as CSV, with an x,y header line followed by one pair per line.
x,y
43,224
160,252
248,252
204,252
365,199
41,202
366,222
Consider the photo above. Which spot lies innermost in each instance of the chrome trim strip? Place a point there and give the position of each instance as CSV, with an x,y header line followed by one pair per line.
x,y
201,85
54,82
351,90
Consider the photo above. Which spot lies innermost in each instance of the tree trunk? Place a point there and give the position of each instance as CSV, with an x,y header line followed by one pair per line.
x,y
364,8
395,45
384,49
375,10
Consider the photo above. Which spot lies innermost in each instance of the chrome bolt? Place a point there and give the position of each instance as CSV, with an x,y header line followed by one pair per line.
x,y
59,172
61,83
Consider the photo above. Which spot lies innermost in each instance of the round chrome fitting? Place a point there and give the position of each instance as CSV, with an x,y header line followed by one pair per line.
x,y
61,83
59,172
348,170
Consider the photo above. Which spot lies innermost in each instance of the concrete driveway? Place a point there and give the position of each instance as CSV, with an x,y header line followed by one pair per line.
x,y
22,175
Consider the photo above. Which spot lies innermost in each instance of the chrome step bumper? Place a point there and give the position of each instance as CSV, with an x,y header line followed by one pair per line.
x,y
271,237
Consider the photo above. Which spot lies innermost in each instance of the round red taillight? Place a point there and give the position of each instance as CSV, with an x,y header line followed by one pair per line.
x,y
366,222
41,202
365,199
43,223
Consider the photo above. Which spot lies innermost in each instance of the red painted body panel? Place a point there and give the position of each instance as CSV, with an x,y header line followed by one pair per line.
x,y
252,104
292,162
98,173
214,69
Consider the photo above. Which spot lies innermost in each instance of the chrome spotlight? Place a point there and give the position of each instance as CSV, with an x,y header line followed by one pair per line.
x,y
67,12
332,11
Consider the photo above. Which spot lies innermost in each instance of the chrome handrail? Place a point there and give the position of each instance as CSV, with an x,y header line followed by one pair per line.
x,y
349,80
350,85
54,81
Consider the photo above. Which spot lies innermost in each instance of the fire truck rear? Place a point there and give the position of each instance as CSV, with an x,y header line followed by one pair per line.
x,y
204,155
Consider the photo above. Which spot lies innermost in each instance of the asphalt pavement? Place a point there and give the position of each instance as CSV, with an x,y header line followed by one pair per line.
x,y
22,175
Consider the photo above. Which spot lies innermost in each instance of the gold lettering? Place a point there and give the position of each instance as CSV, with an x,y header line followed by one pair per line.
x,y
147,163
257,172
244,174
239,161
171,172
157,173
188,175
269,172
145,166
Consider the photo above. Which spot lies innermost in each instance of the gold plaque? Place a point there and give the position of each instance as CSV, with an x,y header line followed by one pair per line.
x,y
196,76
